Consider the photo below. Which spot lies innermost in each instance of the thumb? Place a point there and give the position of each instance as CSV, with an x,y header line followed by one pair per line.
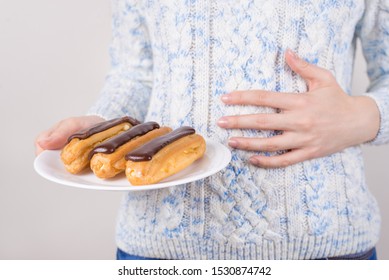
x,y
49,141
315,76
57,136
53,140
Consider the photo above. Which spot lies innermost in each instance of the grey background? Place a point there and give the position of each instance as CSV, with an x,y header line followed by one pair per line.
x,y
53,61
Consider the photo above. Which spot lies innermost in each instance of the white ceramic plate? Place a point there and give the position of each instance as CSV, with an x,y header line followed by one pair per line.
x,y
48,164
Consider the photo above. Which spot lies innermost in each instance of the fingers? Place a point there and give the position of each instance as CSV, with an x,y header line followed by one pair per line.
x,y
42,142
57,136
257,121
279,161
276,143
288,142
314,75
54,138
295,148
38,149
262,98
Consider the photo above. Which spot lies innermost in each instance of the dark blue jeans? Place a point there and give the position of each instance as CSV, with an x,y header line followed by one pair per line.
x,y
120,255
368,255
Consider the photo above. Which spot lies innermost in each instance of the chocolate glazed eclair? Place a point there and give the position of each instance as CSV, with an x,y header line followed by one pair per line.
x,y
75,153
164,156
107,159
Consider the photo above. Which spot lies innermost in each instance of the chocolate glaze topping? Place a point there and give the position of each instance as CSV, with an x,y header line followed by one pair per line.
x,y
110,146
85,133
148,150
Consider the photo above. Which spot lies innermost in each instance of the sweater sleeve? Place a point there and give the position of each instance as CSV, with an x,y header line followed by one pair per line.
x,y
373,31
128,84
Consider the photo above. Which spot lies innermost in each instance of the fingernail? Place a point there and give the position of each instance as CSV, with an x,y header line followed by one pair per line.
x,y
233,143
225,98
43,140
292,54
254,161
222,122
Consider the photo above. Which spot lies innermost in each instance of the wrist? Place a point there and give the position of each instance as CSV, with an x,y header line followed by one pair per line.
x,y
368,116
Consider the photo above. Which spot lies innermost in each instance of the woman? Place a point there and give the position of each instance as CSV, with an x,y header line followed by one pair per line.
x,y
272,79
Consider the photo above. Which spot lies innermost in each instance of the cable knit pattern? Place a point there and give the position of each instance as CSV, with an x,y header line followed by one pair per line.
x,y
171,62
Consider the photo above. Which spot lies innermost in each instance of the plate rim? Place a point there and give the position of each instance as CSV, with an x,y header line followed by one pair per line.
x,y
130,188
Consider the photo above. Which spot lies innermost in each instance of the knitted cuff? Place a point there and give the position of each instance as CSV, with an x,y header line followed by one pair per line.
x,y
382,101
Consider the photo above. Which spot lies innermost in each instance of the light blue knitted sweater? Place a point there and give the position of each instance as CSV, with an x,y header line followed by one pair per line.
x,y
171,62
